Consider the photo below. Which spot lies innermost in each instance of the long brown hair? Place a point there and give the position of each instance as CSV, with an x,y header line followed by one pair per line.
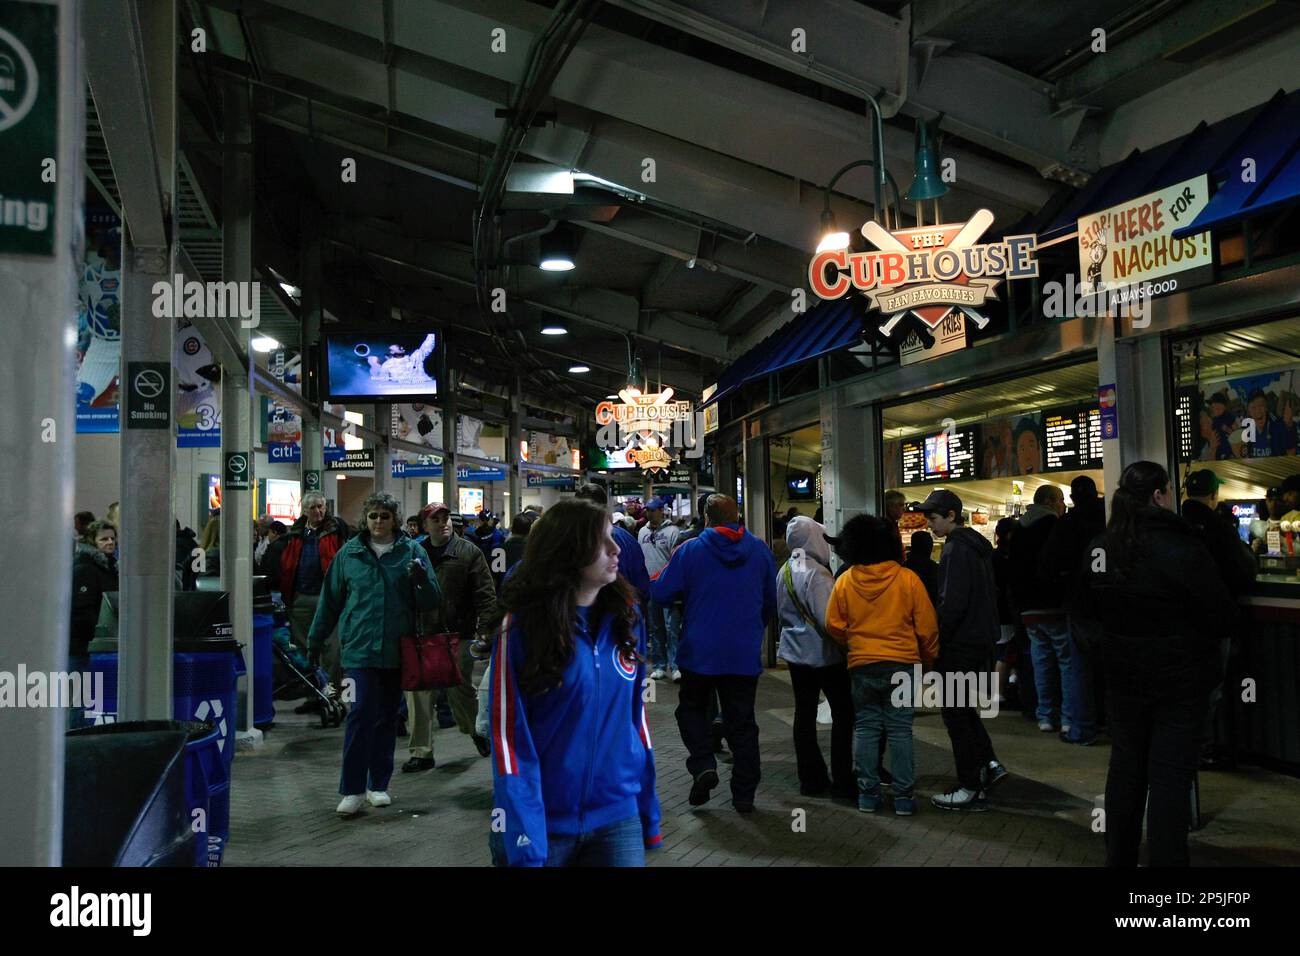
x,y
542,592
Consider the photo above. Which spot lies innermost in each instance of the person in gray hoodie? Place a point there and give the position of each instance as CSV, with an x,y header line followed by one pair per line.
x,y
968,632
817,665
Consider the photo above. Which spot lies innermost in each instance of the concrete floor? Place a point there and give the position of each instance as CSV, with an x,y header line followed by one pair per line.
x,y
283,798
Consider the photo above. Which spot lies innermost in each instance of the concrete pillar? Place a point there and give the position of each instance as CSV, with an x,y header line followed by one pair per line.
x,y
237,400
450,415
38,294
850,466
148,455
310,286
1136,367
513,434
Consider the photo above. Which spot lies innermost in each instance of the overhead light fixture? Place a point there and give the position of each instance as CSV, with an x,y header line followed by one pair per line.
x,y
291,290
579,369
551,325
927,183
612,397
635,376
557,251
264,344
832,236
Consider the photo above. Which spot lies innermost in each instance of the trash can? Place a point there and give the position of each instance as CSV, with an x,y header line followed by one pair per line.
x,y
139,793
263,629
206,662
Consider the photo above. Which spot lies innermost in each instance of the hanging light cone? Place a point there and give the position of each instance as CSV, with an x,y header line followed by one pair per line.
x,y
927,183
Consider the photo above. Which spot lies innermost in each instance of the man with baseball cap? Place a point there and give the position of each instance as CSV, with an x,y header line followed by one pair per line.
x,y
467,609
968,632
1236,565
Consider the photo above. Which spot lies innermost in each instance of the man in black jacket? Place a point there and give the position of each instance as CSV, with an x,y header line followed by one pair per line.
x,y
968,631
1236,564
1060,674
1061,560
468,609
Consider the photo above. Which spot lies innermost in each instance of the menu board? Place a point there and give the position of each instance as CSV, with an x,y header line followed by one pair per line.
x,y
913,461
931,458
1187,399
1073,438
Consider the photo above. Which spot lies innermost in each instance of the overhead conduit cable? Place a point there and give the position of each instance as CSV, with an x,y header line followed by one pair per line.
x,y
547,56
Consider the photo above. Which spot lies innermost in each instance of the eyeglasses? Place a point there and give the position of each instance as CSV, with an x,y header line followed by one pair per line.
x,y
379,515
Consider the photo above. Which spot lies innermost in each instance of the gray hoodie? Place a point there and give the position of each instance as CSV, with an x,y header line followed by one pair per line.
x,y
811,577
968,600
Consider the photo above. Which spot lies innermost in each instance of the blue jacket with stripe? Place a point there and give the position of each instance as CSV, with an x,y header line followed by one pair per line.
x,y
577,757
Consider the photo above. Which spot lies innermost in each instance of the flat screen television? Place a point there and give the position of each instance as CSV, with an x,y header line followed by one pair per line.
x,y
800,486
380,366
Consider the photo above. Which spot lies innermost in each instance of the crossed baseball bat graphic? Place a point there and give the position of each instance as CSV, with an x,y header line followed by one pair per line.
x,y
877,235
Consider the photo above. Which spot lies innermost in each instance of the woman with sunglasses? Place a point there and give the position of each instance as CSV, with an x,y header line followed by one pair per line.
x,y
376,584
573,772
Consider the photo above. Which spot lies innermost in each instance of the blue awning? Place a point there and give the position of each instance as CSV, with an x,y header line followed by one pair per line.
x,y
1272,142
829,327
1268,133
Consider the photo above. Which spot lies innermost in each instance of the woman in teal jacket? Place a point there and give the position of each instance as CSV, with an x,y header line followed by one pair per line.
x,y
375,586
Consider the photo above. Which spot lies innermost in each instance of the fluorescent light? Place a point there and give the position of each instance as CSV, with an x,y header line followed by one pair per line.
x,y
292,290
615,397
556,265
832,241
553,329
579,369
264,344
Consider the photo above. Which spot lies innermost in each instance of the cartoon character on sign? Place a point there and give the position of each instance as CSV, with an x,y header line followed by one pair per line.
x,y
1097,255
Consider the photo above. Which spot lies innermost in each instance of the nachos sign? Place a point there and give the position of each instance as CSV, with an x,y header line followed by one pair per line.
x,y
928,271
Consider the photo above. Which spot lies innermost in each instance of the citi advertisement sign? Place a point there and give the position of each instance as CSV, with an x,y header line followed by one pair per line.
x,y
927,271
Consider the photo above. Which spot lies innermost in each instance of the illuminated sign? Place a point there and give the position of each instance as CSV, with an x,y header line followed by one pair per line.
x,y
927,271
651,418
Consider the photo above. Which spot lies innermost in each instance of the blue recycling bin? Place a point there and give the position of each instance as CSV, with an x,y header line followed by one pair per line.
x,y
207,789
263,630
206,664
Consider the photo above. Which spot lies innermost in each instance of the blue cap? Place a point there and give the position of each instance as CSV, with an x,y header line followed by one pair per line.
x,y
656,503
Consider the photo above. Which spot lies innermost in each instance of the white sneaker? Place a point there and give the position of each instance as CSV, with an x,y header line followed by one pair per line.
x,y
378,798
677,675
350,805
658,674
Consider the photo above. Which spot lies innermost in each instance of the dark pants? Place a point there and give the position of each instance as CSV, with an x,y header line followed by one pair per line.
x,y
736,692
618,844
1157,726
971,748
371,731
808,683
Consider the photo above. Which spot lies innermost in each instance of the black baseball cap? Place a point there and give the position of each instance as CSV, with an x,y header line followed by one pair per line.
x,y
941,502
1202,483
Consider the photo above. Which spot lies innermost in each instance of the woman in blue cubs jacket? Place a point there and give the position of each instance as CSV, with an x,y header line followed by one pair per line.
x,y
573,772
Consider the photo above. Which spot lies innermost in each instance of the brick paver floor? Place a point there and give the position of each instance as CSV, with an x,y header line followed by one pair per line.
x,y
283,798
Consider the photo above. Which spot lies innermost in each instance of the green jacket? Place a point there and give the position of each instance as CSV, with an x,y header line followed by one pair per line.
x,y
373,602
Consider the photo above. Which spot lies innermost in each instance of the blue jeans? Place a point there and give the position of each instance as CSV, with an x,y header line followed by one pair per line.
x,y
371,732
618,844
1063,678
872,689
665,628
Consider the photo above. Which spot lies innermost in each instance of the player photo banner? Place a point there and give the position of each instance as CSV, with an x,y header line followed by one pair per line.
x,y
283,424
1254,416
198,390
99,325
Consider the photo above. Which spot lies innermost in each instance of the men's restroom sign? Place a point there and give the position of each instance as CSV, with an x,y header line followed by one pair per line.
x,y
29,140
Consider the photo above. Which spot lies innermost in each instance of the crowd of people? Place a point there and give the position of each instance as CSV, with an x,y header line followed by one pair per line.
x,y
1096,627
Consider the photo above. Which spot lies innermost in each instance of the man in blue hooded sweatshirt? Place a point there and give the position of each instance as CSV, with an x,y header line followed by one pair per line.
x,y
726,578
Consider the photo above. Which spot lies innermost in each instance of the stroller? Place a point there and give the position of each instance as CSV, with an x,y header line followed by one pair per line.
x,y
296,674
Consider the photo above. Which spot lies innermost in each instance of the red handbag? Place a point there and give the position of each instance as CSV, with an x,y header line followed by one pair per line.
x,y
430,661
